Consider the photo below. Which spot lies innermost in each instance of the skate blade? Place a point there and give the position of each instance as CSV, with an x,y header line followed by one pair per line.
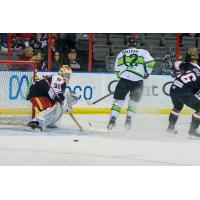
x,y
173,132
193,137
110,129
33,130
128,128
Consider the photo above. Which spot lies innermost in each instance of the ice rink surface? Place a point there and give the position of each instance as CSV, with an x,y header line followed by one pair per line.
x,y
147,143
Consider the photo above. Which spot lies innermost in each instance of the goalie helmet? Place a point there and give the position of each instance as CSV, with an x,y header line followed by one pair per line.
x,y
65,71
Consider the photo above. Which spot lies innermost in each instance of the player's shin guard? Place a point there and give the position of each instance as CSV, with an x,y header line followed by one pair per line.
x,y
173,117
131,110
49,116
194,124
115,110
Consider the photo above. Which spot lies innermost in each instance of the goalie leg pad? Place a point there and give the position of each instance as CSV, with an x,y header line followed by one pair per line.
x,y
49,116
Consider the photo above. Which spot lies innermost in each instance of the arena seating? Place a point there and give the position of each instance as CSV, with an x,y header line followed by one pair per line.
x,y
107,45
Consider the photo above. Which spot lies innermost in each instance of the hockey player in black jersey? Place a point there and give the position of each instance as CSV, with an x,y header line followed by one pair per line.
x,y
184,90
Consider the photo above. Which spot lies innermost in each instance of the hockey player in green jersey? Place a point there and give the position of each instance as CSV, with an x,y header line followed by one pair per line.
x,y
132,66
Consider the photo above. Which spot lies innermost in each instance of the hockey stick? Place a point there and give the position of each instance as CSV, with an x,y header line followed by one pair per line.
x,y
76,122
102,98
70,113
107,95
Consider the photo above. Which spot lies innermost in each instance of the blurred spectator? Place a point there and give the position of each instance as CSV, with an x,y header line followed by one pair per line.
x,y
72,60
39,40
3,42
25,38
17,43
24,35
56,61
38,58
71,40
27,54
55,47
67,41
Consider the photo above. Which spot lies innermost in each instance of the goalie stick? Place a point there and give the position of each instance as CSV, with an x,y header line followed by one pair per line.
x,y
70,113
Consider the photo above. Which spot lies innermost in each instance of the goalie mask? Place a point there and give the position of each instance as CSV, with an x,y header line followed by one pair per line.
x,y
65,71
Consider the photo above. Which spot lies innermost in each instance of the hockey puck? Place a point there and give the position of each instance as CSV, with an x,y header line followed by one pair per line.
x,y
75,140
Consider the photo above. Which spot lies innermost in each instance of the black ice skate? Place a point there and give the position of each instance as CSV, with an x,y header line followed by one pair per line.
x,y
172,130
34,126
194,133
112,123
128,122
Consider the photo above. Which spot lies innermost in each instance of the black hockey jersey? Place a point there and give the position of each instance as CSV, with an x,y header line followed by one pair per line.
x,y
189,78
42,88
181,67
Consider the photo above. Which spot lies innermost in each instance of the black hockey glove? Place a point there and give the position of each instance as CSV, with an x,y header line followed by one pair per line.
x,y
59,98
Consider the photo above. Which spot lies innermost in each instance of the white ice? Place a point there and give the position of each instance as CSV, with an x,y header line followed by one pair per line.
x,y
147,143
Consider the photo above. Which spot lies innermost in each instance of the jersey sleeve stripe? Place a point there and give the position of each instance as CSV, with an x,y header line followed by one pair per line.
x,y
150,64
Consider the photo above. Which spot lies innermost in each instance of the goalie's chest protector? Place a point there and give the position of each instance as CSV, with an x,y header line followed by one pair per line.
x,y
41,87
57,86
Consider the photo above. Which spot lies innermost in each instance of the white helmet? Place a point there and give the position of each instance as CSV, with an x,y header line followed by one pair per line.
x,y
65,71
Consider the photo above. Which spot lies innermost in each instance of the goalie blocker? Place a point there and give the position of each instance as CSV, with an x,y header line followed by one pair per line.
x,y
49,97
